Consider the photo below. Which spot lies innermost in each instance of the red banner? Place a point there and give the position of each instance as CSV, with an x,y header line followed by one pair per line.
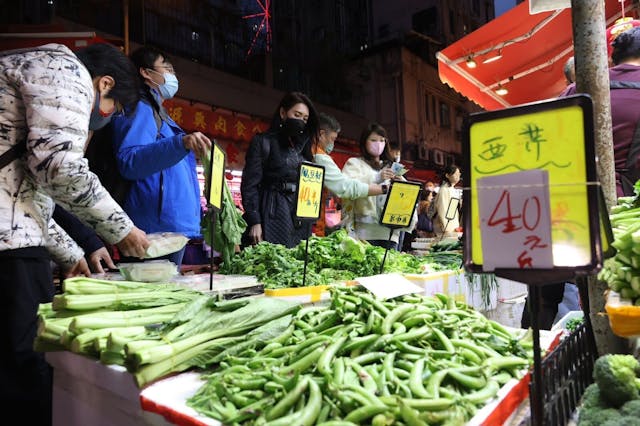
x,y
219,124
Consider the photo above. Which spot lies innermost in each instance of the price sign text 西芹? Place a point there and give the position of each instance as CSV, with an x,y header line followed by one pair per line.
x,y
551,140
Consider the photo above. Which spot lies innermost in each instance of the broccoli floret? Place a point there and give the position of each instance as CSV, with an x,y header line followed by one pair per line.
x,y
631,408
615,375
596,416
591,397
622,421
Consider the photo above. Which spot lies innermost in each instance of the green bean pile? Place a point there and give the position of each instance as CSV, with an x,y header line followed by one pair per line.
x,y
413,360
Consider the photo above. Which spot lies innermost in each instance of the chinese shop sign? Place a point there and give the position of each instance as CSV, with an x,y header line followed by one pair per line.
x,y
547,218
214,123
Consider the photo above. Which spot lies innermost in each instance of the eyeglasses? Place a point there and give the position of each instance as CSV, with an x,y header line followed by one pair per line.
x,y
168,68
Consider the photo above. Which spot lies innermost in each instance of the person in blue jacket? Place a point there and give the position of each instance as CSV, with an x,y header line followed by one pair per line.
x,y
158,157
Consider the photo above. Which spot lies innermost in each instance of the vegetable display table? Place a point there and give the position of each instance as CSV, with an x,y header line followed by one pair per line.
x,y
86,392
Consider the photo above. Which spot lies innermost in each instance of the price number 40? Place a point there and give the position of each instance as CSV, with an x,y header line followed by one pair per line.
x,y
515,218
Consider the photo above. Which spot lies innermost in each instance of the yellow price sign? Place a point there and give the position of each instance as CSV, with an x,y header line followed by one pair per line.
x,y
310,182
217,176
400,204
555,136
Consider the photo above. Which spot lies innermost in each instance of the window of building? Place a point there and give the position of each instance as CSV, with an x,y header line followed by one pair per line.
x,y
383,31
427,108
452,22
476,7
426,21
445,115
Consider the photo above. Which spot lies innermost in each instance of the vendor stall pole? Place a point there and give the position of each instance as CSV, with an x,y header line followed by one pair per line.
x,y
592,77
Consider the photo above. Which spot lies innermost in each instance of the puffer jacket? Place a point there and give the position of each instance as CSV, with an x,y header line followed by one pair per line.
x,y
46,96
165,193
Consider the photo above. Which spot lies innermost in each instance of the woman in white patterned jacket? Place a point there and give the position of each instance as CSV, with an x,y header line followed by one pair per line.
x,y
49,98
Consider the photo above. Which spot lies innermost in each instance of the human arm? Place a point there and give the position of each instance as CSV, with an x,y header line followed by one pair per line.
x,y
139,150
86,238
57,122
342,185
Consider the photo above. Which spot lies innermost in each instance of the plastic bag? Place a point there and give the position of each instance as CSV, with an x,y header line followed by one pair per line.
x,y
149,272
164,243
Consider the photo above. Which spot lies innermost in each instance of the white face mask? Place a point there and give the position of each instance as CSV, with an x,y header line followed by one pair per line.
x,y
169,88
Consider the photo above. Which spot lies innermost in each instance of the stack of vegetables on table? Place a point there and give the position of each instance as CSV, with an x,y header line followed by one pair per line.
x,y
337,257
360,360
152,329
614,398
622,271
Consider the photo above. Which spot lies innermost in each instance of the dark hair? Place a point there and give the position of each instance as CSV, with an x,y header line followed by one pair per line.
x,y
385,157
328,122
103,59
286,103
144,57
626,46
447,170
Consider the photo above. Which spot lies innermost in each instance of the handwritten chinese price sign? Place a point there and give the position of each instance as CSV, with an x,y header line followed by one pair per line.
x,y
217,176
555,137
400,204
515,220
310,184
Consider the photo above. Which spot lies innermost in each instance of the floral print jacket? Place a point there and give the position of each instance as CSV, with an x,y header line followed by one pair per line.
x,y
46,96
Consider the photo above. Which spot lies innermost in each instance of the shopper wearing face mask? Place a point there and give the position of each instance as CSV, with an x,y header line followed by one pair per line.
x,y
270,174
156,155
334,180
362,216
47,96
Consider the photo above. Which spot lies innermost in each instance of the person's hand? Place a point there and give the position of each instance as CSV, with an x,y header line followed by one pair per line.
x,y
80,268
134,244
96,258
255,234
197,142
386,173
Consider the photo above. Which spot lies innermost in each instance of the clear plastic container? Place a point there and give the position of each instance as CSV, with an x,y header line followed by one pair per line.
x,y
149,272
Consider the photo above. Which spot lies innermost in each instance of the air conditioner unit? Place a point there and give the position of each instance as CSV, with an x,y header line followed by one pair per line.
x,y
424,153
438,157
450,159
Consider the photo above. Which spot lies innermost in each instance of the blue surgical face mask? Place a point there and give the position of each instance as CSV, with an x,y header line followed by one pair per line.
x,y
169,88
329,148
98,119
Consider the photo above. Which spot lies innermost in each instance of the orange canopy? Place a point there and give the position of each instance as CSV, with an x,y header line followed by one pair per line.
x,y
528,52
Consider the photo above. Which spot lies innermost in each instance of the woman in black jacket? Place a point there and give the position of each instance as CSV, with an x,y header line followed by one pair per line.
x,y
270,175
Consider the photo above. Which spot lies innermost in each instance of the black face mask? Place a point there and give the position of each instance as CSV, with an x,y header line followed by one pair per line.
x,y
293,127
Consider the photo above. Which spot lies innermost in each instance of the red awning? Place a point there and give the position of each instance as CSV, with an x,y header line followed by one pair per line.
x,y
532,48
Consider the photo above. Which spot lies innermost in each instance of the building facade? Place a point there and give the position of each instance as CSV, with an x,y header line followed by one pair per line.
x,y
360,60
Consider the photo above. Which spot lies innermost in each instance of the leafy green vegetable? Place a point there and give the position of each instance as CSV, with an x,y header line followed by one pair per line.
x,y
337,257
229,224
